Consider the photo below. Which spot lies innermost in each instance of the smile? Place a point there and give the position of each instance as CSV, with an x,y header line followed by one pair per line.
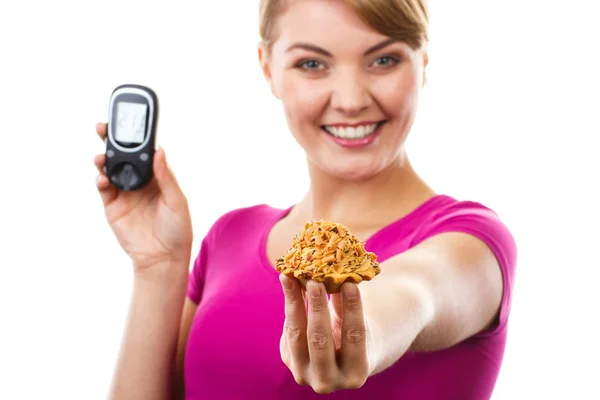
x,y
356,132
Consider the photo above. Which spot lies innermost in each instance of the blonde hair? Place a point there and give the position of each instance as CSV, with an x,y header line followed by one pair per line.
x,y
404,20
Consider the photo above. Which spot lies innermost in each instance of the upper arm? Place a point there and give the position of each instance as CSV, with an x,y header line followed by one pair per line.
x,y
193,297
465,259
187,317
464,281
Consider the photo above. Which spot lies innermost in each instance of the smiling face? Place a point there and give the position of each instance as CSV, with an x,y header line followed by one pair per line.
x,y
350,94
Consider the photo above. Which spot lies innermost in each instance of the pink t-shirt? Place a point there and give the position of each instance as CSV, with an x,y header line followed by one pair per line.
x,y
233,345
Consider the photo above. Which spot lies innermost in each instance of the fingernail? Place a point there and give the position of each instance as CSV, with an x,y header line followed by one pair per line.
x,y
285,282
350,290
314,289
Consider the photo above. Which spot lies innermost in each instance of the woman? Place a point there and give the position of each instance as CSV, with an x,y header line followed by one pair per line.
x,y
432,325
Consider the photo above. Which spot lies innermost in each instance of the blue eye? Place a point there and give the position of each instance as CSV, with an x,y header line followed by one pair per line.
x,y
310,65
386,61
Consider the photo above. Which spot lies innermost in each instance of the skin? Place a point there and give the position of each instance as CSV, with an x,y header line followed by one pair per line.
x,y
153,227
423,298
319,68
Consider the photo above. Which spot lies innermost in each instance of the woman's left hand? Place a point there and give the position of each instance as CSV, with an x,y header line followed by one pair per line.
x,y
325,345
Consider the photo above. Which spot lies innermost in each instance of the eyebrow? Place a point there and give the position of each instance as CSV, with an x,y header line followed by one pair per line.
x,y
317,49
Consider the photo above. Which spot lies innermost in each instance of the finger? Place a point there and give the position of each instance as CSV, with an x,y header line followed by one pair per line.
x,y
336,306
295,324
99,163
321,347
284,350
335,310
101,130
107,191
166,180
353,355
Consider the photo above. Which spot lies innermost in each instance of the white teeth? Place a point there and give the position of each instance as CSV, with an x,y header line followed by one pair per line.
x,y
350,132
360,132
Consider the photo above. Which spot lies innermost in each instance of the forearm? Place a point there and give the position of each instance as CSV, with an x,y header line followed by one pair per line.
x,y
147,357
395,319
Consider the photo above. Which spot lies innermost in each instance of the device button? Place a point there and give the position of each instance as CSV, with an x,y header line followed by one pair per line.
x,y
110,154
144,157
128,177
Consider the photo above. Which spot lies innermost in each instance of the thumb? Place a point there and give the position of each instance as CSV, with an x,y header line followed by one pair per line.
x,y
167,183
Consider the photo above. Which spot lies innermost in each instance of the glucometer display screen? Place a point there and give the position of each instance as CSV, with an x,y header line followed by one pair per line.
x,y
131,122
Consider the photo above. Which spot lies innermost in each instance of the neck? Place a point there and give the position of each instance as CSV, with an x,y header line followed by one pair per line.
x,y
364,203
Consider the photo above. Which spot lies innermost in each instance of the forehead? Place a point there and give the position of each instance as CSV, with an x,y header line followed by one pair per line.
x,y
328,23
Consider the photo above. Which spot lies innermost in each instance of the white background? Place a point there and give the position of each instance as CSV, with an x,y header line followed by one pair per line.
x,y
509,118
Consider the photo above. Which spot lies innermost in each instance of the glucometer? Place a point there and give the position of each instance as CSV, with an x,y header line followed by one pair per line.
x,y
131,137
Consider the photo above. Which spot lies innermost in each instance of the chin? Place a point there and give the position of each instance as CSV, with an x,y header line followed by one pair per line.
x,y
352,172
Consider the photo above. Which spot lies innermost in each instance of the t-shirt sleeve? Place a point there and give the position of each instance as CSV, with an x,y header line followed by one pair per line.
x,y
201,262
196,277
483,223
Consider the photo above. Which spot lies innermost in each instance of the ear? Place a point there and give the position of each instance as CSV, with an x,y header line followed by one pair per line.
x,y
425,64
265,66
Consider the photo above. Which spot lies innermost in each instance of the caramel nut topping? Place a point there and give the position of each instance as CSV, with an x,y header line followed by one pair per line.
x,y
327,252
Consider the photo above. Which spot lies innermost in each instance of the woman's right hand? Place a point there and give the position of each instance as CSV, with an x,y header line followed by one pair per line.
x,y
152,224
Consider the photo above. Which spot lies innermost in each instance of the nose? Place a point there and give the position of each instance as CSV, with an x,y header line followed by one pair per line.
x,y
350,94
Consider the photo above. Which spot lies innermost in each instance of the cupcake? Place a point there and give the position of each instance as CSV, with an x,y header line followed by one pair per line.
x,y
327,252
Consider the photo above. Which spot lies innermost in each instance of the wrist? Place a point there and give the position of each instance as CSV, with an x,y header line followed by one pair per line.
x,y
167,272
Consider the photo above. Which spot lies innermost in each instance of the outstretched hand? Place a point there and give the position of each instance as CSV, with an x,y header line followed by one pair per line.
x,y
325,344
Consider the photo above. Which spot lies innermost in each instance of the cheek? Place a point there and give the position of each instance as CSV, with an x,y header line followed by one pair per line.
x,y
397,94
304,100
